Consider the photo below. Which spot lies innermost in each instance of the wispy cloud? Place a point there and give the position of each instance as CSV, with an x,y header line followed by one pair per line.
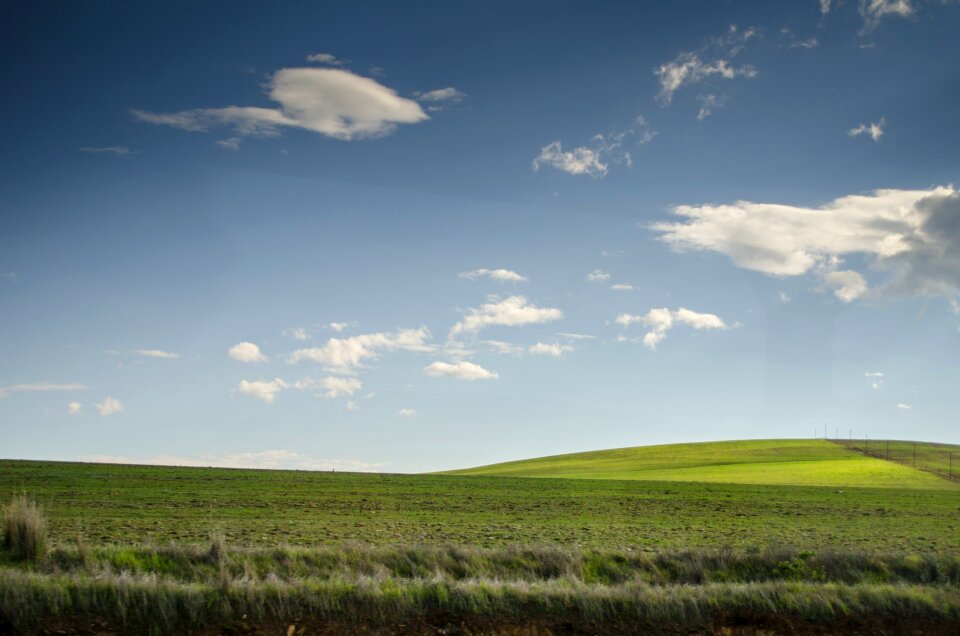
x,y
873,130
595,159
876,378
660,321
333,387
327,59
40,387
232,143
346,355
297,333
109,406
332,102
714,59
462,370
440,98
157,353
598,276
513,311
873,11
407,412
116,151
503,275
74,408
551,349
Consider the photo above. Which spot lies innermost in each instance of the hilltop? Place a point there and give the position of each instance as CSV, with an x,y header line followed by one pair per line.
x,y
774,462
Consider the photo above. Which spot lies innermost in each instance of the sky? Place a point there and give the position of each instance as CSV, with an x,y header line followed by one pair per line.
x,y
405,238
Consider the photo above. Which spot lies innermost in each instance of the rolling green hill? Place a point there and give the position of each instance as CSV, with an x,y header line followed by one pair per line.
x,y
781,462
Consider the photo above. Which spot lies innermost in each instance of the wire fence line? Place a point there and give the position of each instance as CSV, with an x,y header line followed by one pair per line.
x,y
932,458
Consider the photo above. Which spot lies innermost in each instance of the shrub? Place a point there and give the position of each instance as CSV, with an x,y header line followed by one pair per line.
x,y
24,530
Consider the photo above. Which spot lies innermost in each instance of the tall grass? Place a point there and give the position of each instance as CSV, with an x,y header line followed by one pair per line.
x,y
24,530
148,603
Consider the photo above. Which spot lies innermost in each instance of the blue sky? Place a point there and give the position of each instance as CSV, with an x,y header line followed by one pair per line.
x,y
389,238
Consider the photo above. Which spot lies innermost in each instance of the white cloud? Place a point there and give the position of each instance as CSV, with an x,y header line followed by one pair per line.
x,y
621,287
598,275
711,60
708,103
39,387
847,285
406,412
231,143
352,406
505,348
74,408
345,355
876,378
825,6
334,386
341,326
874,374
904,407
873,11
595,160
784,298
503,275
297,333
911,235
462,370
440,98
874,130
265,390
513,312
157,353
109,406
662,320
576,336
325,58
441,95
580,160
117,151
246,352
688,68
332,102
269,459
555,349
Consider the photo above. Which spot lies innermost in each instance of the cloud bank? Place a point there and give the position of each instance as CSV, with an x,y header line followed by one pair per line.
x,y
910,236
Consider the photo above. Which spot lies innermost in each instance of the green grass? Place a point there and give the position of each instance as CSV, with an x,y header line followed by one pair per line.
x,y
403,590
778,462
130,504
927,455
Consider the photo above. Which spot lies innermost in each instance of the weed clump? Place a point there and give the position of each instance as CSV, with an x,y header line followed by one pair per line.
x,y
24,530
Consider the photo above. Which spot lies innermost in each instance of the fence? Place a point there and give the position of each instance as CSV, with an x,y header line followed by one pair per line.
x,y
932,458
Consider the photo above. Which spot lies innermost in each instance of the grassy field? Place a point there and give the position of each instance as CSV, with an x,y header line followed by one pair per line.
x,y
174,589
941,458
111,503
786,537
779,462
